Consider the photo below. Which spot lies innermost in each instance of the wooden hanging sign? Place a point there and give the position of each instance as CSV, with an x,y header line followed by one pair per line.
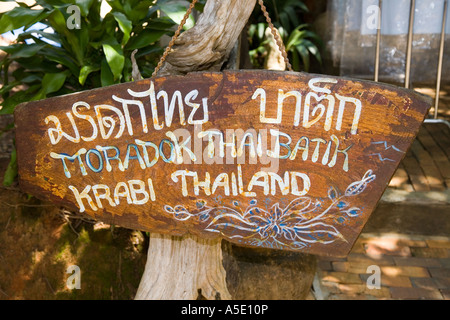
x,y
280,160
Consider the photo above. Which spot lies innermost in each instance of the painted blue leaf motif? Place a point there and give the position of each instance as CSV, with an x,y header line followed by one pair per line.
x,y
200,204
299,205
180,209
181,216
353,211
228,223
253,202
298,245
342,204
359,186
168,209
332,193
218,199
236,203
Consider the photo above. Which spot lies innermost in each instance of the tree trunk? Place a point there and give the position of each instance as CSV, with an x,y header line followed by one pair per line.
x,y
206,46
183,268
188,267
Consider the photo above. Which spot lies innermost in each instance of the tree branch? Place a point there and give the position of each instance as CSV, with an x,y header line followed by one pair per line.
x,y
207,45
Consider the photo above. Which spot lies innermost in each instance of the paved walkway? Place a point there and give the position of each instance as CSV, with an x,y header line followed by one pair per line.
x,y
426,166
407,239
410,267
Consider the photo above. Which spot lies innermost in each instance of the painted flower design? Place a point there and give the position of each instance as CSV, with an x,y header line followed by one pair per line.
x,y
301,223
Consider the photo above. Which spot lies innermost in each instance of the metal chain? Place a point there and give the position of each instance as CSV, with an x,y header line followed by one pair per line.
x,y
274,31
174,38
276,35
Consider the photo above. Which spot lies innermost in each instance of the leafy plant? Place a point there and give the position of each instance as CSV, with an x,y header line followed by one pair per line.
x,y
301,43
50,59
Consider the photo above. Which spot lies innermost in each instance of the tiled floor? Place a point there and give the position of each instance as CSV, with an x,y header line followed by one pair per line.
x,y
409,267
426,166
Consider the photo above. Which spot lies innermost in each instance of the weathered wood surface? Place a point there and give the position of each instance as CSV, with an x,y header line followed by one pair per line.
x,y
339,143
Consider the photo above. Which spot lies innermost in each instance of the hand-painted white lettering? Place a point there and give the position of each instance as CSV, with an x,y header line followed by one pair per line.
x,y
152,97
135,191
357,113
179,147
195,106
267,180
126,111
76,155
304,143
60,133
85,117
318,110
109,121
170,109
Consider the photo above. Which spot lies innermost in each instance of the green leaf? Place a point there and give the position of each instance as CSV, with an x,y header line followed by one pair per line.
x,y
84,6
22,50
164,24
50,4
37,64
61,56
74,41
149,50
145,38
140,10
109,26
293,17
176,11
85,71
40,35
125,26
11,170
51,82
284,20
116,5
8,87
115,58
261,30
302,6
305,56
19,17
106,76
10,103
295,60
31,78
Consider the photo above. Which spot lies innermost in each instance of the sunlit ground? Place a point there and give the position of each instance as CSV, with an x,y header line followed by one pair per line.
x,y
444,100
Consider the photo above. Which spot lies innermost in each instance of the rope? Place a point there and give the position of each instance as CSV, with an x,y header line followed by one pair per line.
x,y
174,38
276,35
